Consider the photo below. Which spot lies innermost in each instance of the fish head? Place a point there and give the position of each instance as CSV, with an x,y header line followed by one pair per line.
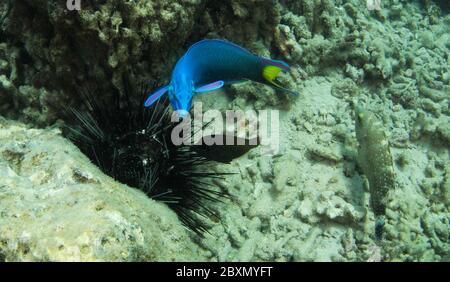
x,y
180,95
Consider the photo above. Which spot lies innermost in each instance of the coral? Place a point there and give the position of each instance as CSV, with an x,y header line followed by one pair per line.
x,y
336,208
329,153
346,89
284,174
56,206
329,206
57,51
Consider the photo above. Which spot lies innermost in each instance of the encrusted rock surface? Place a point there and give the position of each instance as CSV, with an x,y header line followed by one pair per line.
x,y
57,206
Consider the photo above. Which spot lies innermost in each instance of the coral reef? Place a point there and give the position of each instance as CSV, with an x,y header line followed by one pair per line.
x,y
307,202
47,52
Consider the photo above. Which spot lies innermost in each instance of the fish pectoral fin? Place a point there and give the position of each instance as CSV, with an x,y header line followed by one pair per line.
x,y
210,87
156,95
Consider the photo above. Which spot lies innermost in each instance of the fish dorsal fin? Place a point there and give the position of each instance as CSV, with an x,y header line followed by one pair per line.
x,y
210,87
156,95
220,41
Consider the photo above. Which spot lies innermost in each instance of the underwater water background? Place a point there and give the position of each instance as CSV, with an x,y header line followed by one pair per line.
x,y
339,172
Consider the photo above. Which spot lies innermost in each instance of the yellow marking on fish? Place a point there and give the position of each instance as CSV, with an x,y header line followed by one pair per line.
x,y
270,73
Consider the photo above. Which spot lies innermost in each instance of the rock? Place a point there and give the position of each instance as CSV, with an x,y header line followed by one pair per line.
x,y
443,130
336,209
285,174
330,153
265,166
57,206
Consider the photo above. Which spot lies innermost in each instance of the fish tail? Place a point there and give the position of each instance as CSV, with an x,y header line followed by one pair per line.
x,y
271,69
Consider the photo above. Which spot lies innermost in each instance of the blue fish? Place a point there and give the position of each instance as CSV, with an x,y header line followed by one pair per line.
x,y
210,64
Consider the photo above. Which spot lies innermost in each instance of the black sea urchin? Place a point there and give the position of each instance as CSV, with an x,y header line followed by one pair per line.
x,y
132,144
